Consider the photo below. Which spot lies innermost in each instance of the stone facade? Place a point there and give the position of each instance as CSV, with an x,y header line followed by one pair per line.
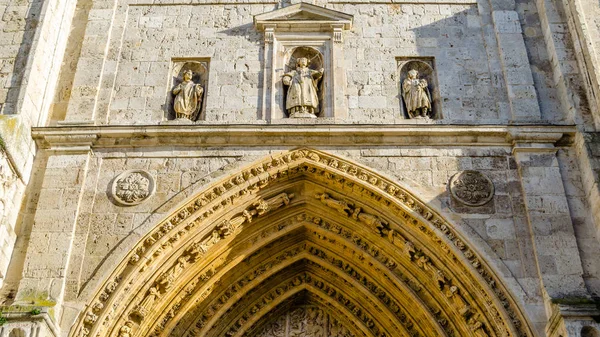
x,y
480,219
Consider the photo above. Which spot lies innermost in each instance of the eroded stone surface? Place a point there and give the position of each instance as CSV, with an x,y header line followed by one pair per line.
x,y
356,235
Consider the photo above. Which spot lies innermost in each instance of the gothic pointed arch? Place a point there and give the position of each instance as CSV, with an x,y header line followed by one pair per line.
x,y
303,233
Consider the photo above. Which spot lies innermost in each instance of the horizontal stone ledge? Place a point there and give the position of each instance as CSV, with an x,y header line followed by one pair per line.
x,y
68,137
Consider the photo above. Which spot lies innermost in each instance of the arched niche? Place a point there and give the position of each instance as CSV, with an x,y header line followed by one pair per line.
x,y
426,68
316,62
200,68
303,228
17,332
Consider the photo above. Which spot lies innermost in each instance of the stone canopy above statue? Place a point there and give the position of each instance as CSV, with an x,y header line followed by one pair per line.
x,y
304,62
302,17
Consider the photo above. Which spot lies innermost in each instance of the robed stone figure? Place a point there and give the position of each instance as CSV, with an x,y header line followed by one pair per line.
x,y
416,96
188,97
302,95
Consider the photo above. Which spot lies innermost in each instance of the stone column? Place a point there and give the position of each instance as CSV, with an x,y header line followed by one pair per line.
x,y
554,243
51,238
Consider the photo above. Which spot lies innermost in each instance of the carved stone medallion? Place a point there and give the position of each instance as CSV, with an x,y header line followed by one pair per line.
x,y
132,187
472,188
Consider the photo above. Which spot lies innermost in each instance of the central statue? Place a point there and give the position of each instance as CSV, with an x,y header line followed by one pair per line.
x,y
302,95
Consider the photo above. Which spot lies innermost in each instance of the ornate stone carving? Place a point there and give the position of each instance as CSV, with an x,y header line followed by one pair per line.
x,y
472,188
341,206
166,279
477,327
132,187
373,221
145,306
453,293
415,93
273,203
337,173
300,329
302,93
199,248
126,329
188,97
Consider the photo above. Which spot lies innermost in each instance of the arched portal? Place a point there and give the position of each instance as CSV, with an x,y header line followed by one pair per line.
x,y
324,245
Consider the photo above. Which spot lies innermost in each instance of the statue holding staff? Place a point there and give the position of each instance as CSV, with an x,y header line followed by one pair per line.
x,y
188,97
302,94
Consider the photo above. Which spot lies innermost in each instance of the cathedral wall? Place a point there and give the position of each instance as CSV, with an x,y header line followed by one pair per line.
x,y
75,205
493,63
33,36
129,81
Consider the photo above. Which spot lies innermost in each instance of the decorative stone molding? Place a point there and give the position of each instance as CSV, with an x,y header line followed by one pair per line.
x,y
472,188
132,187
201,213
353,136
296,28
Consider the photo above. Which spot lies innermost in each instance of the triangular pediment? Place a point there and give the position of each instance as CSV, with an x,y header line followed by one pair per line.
x,y
303,14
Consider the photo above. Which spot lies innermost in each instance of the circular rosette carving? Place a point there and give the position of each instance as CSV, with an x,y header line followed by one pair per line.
x,y
472,188
132,187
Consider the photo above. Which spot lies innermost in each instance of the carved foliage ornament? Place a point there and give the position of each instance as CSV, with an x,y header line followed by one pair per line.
x,y
472,188
133,187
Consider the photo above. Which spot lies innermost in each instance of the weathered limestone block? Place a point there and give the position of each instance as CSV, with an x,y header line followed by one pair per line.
x,y
516,67
45,267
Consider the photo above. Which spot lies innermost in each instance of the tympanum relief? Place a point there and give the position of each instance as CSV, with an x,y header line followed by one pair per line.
x,y
305,322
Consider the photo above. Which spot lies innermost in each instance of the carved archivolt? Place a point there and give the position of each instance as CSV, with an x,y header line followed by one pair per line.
x,y
376,238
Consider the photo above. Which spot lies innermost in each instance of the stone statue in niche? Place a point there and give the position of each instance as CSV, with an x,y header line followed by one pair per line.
x,y
188,97
417,98
302,93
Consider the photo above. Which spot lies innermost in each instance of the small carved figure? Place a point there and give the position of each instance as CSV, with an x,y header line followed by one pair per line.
x,y
144,307
453,293
409,249
125,330
90,318
476,326
339,205
416,96
302,95
373,221
280,200
169,277
440,278
188,99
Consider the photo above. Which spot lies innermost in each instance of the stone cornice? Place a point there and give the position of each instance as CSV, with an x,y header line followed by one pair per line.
x,y
100,137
